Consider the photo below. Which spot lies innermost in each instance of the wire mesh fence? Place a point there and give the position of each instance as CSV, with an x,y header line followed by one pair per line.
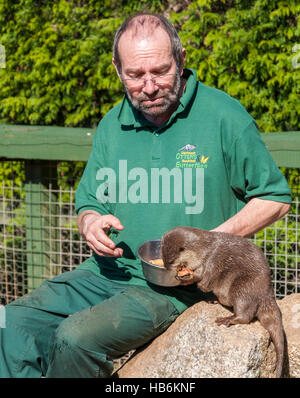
x,y
39,237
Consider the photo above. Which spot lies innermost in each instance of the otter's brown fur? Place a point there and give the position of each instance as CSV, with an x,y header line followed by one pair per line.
x,y
235,270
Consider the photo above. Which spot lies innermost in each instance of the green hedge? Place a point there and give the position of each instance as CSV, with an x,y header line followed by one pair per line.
x,y
58,53
58,56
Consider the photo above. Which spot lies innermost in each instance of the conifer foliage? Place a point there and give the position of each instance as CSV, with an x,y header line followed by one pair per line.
x,y
58,56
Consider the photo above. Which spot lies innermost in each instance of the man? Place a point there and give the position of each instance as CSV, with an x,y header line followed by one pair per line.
x,y
174,152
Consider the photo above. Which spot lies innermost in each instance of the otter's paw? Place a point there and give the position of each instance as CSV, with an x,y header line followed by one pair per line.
x,y
227,321
212,301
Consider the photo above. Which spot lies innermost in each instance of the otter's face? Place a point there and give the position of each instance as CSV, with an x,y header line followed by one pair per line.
x,y
170,252
179,258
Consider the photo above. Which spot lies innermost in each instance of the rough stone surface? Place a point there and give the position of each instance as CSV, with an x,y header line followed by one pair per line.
x,y
290,308
194,346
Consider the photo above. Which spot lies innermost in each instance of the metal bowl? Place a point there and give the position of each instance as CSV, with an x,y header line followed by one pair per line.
x,y
150,250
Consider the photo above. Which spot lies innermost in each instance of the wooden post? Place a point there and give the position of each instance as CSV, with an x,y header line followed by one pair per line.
x,y
41,220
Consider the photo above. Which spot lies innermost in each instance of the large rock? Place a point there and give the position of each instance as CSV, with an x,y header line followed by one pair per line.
x,y
290,308
194,346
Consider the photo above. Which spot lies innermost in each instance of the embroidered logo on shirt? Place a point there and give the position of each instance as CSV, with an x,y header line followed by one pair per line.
x,y
187,157
187,147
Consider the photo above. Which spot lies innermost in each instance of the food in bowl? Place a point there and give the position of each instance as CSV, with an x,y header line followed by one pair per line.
x,y
158,262
184,271
180,270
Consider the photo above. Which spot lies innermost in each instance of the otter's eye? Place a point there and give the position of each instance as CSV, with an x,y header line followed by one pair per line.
x,y
181,249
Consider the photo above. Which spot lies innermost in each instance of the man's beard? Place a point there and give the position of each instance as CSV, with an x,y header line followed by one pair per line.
x,y
169,99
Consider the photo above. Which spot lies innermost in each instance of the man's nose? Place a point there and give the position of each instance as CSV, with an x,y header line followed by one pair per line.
x,y
149,87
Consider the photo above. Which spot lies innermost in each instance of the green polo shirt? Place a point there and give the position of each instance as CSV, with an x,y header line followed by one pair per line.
x,y
199,169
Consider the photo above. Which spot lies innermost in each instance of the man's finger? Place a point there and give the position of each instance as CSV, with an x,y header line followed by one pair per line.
x,y
112,221
100,246
105,252
100,236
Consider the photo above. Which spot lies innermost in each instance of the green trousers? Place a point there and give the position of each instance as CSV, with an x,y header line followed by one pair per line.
x,y
75,324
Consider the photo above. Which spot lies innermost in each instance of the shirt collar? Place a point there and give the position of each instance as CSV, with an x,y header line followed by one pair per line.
x,y
129,116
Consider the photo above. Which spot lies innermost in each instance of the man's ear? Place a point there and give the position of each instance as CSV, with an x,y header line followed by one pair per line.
x,y
115,65
183,57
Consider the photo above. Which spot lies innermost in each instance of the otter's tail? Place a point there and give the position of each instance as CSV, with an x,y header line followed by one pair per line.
x,y
270,317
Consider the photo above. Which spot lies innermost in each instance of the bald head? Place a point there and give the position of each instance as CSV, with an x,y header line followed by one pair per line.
x,y
142,27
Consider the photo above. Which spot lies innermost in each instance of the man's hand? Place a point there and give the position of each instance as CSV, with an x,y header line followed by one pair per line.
x,y
94,227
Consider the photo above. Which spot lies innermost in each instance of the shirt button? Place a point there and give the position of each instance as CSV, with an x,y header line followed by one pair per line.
x,y
156,134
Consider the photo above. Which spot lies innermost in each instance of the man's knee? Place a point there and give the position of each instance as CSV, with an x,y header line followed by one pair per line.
x,y
72,353
69,334
158,308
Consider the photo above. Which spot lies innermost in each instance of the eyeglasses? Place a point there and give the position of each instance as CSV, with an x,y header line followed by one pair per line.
x,y
136,82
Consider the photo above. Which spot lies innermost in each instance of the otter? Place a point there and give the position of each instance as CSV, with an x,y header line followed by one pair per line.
x,y
237,273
